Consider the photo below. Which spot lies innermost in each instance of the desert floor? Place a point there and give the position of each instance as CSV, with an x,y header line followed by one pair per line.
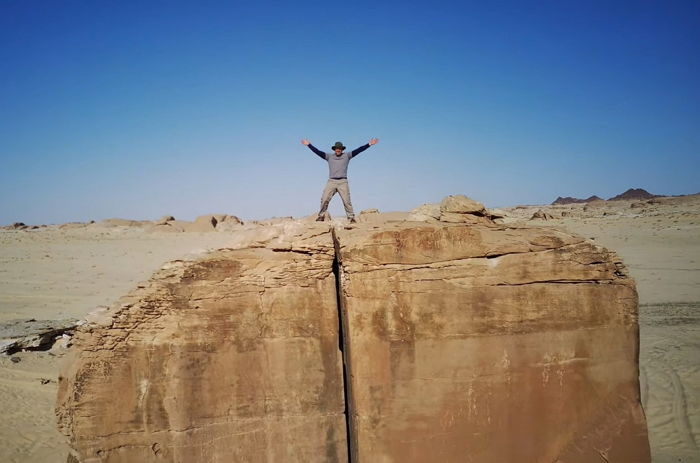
x,y
55,273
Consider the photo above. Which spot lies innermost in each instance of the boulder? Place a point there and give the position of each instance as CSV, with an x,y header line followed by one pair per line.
x,y
177,226
231,219
229,223
16,226
164,220
494,214
31,334
541,215
452,209
425,213
392,341
460,209
203,223
460,204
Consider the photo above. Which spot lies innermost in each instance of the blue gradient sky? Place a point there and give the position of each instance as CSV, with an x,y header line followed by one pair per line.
x,y
119,109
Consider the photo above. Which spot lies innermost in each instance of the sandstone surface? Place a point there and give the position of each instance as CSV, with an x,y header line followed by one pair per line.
x,y
485,343
454,340
230,357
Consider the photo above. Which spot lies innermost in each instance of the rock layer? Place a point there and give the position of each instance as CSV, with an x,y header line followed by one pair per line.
x,y
461,342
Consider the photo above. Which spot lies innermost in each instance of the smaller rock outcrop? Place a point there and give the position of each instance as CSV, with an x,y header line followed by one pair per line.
x,y
425,213
452,209
17,335
229,223
165,219
204,223
541,215
15,226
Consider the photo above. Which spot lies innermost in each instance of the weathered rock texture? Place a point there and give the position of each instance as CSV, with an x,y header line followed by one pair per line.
x,y
462,342
234,357
476,343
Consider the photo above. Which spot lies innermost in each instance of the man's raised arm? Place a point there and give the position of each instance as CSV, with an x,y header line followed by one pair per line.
x,y
320,153
357,151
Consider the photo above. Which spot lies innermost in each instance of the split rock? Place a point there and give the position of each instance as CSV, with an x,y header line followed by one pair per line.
x,y
501,343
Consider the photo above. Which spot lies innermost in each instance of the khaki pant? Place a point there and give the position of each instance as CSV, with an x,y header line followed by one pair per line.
x,y
339,186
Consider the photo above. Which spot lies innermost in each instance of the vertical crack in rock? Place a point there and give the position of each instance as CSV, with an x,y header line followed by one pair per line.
x,y
343,338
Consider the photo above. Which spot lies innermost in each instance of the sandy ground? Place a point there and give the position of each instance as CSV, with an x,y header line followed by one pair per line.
x,y
56,273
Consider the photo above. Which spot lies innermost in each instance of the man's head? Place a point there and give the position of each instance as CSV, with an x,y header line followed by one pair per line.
x,y
338,148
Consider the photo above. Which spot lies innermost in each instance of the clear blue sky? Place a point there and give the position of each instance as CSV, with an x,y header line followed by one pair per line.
x,y
139,109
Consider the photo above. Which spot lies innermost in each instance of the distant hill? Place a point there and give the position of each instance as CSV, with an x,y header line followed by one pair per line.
x,y
570,200
633,193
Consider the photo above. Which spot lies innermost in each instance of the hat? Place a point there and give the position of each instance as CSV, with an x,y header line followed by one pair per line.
x,y
338,145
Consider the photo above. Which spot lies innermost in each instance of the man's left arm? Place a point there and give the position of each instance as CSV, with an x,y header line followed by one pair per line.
x,y
357,151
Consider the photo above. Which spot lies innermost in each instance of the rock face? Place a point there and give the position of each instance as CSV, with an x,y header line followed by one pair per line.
x,y
233,357
385,342
489,344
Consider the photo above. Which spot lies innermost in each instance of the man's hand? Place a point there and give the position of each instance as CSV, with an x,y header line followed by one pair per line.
x,y
374,141
305,142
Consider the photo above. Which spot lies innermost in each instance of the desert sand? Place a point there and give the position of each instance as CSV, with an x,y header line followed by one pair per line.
x,y
55,273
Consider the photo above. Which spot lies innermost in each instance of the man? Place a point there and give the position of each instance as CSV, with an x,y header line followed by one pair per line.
x,y
337,175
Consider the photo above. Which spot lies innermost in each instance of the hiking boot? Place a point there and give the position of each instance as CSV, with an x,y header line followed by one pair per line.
x,y
352,220
320,218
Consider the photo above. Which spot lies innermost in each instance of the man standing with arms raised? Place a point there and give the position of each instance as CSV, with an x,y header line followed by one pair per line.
x,y
337,175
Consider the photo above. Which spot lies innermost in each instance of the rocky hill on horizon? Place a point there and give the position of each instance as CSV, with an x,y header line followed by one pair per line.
x,y
630,194
634,194
570,200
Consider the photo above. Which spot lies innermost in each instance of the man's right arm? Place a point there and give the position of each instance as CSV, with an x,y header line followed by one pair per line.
x,y
318,152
